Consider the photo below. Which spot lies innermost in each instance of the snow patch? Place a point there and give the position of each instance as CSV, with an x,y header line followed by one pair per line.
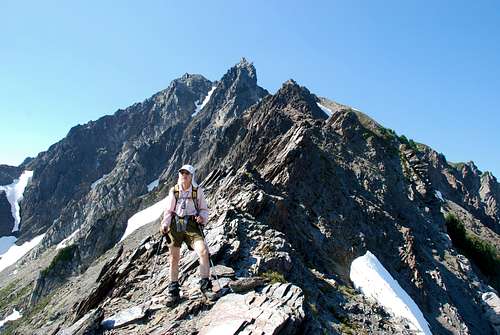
x,y
11,317
199,107
153,184
491,307
14,193
325,109
144,217
439,195
68,239
6,242
373,280
15,252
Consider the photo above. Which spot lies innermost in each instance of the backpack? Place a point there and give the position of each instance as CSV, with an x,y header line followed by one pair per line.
x,y
194,196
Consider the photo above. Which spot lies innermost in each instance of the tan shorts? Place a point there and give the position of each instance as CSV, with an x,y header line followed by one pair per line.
x,y
189,236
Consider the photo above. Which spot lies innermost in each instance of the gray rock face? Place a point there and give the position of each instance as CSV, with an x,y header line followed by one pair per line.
x,y
125,316
123,146
9,173
88,324
278,308
210,135
295,197
489,193
463,183
6,218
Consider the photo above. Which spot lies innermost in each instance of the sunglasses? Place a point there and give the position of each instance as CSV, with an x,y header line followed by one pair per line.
x,y
184,172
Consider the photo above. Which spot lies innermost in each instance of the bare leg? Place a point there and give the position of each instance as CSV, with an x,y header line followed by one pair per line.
x,y
202,250
174,263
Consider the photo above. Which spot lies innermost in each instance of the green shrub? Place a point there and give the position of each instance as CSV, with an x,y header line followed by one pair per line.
x,y
5,292
388,133
413,144
403,139
457,166
347,290
482,253
274,276
348,329
11,326
409,142
64,255
367,134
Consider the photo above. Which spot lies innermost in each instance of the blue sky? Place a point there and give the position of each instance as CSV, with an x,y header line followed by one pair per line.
x,y
427,69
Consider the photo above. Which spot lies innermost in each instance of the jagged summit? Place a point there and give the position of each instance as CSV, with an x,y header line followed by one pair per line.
x,y
290,82
244,63
242,73
297,99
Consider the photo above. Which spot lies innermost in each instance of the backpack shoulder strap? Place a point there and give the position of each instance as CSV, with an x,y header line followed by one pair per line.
x,y
194,196
176,192
194,193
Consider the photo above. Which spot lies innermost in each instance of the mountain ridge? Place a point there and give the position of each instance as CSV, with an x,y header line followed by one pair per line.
x,y
321,190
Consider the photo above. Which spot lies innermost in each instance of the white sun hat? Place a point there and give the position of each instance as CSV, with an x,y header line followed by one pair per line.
x,y
189,168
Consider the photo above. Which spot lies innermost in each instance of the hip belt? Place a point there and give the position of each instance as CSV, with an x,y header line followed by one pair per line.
x,y
181,222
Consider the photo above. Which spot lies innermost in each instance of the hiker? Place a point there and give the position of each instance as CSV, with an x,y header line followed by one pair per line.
x,y
183,217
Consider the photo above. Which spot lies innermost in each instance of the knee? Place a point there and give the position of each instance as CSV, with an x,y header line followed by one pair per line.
x,y
204,252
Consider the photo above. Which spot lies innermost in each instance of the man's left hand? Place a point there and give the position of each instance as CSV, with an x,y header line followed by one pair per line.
x,y
199,219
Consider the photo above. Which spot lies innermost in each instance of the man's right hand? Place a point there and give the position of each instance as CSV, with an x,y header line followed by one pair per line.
x,y
163,230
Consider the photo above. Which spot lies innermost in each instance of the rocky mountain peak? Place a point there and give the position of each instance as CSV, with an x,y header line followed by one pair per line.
x,y
244,63
471,166
185,90
242,75
231,95
195,81
489,177
297,100
294,201
8,173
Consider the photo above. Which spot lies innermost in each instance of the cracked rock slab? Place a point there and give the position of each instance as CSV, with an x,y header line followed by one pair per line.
x,y
278,307
125,316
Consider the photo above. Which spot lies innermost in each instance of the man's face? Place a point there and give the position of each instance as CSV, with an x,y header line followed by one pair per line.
x,y
185,176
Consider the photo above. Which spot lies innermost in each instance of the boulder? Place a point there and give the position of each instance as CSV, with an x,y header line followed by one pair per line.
x,y
278,307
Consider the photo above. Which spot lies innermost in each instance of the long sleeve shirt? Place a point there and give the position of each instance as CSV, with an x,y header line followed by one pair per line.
x,y
184,205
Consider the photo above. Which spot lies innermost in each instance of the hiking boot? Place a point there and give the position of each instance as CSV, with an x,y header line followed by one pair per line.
x,y
173,296
205,285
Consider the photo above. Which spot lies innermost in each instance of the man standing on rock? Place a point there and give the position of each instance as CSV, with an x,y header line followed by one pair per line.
x,y
186,210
